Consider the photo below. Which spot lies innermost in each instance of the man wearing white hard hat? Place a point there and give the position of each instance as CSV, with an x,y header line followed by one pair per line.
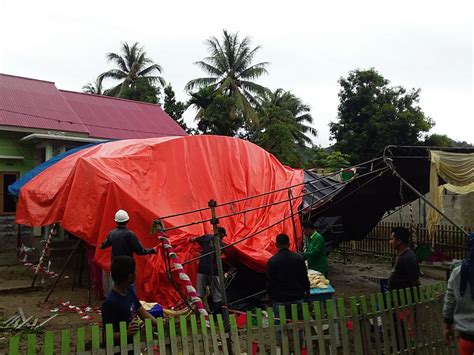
x,y
122,240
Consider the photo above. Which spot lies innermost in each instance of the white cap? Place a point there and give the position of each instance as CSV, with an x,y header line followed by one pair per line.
x,y
121,216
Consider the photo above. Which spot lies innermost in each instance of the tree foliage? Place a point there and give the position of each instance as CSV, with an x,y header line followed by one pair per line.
x,y
328,160
442,140
217,113
173,107
231,72
136,74
283,126
94,88
372,115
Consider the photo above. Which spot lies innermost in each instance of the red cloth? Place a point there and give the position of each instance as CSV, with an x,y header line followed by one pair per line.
x,y
161,176
466,347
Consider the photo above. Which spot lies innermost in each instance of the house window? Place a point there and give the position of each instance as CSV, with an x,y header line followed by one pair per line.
x,y
7,203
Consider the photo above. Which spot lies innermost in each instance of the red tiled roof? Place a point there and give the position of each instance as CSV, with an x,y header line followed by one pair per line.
x,y
34,103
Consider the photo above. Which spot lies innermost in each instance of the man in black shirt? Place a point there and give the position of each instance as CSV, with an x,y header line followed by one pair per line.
x,y
406,272
122,240
287,280
207,270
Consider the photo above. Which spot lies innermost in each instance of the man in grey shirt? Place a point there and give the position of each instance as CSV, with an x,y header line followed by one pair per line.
x,y
459,303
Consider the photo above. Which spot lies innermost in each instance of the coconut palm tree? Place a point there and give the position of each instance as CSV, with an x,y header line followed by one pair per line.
x,y
133,66
283,107
231,72
94,88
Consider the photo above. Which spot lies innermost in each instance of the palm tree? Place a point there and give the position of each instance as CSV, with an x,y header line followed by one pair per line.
x,y
94,88
231,71
133,67
282,107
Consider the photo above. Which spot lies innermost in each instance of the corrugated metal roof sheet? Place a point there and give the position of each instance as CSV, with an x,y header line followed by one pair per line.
x,y
34,103
109,117
39,104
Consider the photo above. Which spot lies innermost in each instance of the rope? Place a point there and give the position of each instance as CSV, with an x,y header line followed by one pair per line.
x,y
184,277
46,248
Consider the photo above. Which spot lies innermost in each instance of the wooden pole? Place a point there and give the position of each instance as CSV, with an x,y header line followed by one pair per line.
x,y
290,200
420,195
220,270
63,269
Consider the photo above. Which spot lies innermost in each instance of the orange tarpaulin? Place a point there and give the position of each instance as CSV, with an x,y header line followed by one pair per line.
x,y
151,178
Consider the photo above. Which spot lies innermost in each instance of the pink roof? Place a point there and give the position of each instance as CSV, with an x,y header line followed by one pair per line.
x,y
34,103
39,104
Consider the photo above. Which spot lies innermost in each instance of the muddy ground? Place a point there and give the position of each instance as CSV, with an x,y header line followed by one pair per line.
x,y
354,277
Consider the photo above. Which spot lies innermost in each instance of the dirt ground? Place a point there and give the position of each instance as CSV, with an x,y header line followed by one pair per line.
x,y
354,277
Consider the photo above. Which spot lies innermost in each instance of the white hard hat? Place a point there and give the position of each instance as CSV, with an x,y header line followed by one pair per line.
x,y
121,216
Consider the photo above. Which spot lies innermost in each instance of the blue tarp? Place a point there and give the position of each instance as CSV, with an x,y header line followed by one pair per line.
x,y
14,189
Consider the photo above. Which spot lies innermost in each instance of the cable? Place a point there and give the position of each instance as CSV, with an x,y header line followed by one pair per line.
x,y
88,124
321,177
322,201
251,235
248,210
274,203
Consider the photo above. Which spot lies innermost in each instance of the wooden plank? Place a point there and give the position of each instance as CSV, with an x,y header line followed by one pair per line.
x,y
260,337
109,338
223,335
31,344
387,336
65,342
149,336
205,339
195,334
22,315
284,330
438,325
136,343
377,327
95,337
406,315
307,330
184,334
397,321
332,326
123,338
296,329
160,328
14,345
356,325
213,333
420,323
234,335
343,326
366,338
249,333
319,328
49,343
271,330
391,314
81,339
172,330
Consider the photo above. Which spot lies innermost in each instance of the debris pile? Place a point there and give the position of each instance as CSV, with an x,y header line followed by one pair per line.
x,y
19,321
84,311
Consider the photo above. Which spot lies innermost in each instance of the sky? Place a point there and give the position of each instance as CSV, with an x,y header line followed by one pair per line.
x,y
309,44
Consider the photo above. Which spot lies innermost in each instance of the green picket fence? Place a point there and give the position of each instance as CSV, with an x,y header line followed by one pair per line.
x,y
407,321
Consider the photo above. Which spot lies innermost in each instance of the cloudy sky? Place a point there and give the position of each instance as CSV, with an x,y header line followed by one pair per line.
x,y
310,45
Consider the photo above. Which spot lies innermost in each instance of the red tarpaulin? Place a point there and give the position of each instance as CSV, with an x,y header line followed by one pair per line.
x,y
155,177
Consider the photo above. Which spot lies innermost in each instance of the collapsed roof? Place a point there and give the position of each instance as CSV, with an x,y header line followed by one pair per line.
x,y
349,210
